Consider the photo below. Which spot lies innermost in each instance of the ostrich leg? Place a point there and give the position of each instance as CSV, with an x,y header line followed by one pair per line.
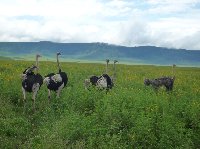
x,y
59,90
35,90
49,94
58,63
24,100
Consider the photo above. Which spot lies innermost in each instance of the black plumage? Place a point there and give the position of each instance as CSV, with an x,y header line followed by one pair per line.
x,y
30,80
94,79
54,85
108,80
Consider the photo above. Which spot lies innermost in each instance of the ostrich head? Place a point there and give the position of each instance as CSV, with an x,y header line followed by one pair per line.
x,y
115,61
107,61
147,82
38,55
58,53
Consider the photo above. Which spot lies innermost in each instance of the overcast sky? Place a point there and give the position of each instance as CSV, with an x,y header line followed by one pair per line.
x,y
166,23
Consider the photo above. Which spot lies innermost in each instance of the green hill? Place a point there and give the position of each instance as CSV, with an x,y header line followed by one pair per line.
x,y
101,51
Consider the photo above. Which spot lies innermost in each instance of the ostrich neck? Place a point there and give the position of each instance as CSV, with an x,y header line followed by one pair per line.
x,y
58,63
114,68
173,70
106,68
114,75
37,65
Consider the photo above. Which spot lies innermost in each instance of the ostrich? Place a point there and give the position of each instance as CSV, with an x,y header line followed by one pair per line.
x,y
167,82
158,82
31,82
93,79
56,82
102,82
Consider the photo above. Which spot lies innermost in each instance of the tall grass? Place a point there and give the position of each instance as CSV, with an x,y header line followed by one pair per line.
x,y
128,116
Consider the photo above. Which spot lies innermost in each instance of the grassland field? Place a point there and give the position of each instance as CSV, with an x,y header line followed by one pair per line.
x,y
128,116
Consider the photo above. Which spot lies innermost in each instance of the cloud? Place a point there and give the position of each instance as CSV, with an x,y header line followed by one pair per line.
x,y
164,23
187,41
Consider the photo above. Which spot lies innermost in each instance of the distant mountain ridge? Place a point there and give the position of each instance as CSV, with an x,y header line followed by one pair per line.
x,y
102,51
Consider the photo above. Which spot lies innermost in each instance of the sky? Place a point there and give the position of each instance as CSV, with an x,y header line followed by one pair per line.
x,y
163,23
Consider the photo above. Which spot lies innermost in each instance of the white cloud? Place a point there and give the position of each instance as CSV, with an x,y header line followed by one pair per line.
x,y
147,22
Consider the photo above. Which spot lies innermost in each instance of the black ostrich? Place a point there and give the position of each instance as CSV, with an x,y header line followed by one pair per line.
x,y
31,82
56,82
104,81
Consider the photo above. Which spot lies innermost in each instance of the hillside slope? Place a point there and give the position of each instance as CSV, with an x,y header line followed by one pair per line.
x,y
101,51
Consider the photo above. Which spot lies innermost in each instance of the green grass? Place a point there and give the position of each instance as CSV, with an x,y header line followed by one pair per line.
x,y
128,116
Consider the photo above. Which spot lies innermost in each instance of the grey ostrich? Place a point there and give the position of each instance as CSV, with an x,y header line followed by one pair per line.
x,y
31,82
166,81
